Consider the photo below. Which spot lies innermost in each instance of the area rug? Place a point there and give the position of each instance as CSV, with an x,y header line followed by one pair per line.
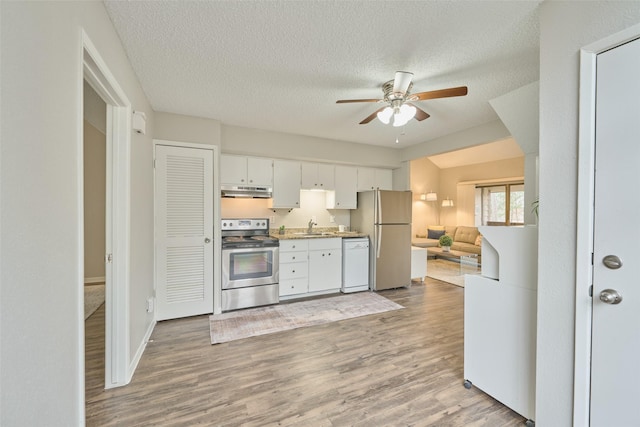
x,y
93,299
283,317
449,271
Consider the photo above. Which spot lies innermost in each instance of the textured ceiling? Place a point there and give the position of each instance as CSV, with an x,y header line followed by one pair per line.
x,y
281,65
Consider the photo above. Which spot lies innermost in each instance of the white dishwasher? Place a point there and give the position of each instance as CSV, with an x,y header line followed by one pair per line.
x,y
355,264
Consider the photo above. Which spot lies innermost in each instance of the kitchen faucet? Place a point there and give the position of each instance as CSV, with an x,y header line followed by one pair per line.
x,y
311,224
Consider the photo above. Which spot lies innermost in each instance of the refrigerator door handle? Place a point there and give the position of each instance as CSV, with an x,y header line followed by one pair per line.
x,y
378,218
378,241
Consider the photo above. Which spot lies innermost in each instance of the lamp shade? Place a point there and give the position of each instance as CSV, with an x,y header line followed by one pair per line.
x,y
403,115
385,115
431,197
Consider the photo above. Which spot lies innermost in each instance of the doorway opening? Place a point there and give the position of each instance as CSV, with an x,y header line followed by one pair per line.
x,y
94,182
117,228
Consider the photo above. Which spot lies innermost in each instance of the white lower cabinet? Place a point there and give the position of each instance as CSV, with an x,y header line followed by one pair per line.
x,y
310,266
294,267
325,265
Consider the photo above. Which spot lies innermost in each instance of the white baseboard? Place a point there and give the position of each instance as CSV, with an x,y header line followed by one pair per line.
x,y
93,280
143,345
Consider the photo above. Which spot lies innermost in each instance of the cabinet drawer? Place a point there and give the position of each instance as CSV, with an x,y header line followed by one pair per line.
x,y
293,270
298,256
293,287
326,243
294,245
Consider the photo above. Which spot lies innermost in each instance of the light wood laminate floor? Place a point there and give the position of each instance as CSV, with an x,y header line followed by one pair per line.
x,y
400,368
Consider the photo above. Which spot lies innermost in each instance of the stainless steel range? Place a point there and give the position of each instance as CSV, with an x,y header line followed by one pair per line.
x,y
249,264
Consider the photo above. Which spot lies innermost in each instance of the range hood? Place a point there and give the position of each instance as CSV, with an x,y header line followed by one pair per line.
x,y
245,191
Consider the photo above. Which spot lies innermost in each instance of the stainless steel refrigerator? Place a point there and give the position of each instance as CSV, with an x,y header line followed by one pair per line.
x,y
386,217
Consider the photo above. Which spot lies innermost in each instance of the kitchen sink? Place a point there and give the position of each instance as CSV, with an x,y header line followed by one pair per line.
x,y
313,233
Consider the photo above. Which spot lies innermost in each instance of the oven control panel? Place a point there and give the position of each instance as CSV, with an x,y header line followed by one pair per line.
x,y
245,224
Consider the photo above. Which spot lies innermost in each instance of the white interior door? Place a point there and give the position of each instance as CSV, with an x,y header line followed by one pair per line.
x,y
615,371
184,231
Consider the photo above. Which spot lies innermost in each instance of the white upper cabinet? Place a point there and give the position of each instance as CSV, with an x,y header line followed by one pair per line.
x,y
246,171
317,176
371,179
286,184
383,179
345,194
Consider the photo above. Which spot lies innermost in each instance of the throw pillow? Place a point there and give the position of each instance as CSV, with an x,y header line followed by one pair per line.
x,y
434,234
479,240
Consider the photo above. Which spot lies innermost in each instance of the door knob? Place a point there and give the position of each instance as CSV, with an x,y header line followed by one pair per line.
x,y
207,240
610,296
612,262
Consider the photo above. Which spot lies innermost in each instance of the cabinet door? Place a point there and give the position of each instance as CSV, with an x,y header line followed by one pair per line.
x,y
317,176
286,184
326,177
325,264
260,171
325,269
383,179
366,179
345,189
233,169
371,179
308,176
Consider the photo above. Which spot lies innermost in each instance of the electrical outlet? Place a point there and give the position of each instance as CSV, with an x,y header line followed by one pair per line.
x,y
150,305
272,219
332,218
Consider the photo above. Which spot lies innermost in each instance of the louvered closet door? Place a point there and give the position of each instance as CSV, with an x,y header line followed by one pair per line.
x,y
184,231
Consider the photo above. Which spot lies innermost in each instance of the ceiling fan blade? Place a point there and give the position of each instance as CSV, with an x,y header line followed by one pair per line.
x,y
402,81
442,93
345,101
420,114
371,116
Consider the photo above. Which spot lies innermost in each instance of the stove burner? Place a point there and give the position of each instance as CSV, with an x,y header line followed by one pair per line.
x,y
246,233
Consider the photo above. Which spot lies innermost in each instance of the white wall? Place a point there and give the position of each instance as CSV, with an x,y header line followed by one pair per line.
x,y
312,203
176,127
565,27
425,177
238,140
41,271
450,177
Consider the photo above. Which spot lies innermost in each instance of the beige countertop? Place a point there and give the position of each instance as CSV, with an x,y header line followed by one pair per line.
x,y
318,233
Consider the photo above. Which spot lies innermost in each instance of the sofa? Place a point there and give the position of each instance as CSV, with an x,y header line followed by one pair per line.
x,y
465,238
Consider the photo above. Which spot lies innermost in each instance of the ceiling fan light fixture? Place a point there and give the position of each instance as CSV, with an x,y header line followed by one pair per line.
x,y
385,115
403,115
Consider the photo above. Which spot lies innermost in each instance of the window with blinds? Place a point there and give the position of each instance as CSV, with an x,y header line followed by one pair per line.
x,y
501,204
